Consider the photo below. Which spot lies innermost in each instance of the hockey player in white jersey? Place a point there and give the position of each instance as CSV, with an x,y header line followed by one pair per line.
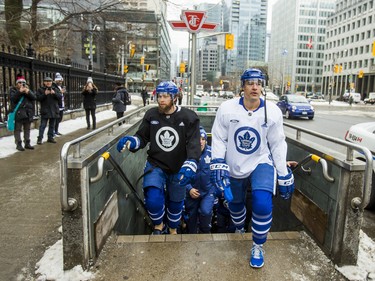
x,y
249,149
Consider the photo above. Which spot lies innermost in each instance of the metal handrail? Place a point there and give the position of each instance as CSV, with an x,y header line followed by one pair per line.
x,y
356,202
317,159
70,204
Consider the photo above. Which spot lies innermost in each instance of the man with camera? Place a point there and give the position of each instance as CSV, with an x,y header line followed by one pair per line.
x,y
49,96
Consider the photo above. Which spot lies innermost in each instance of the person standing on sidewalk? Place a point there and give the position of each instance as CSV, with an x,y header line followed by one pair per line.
x,y
58,81
89,93
249,150
119,100
25,113
172,133
49,97
144,95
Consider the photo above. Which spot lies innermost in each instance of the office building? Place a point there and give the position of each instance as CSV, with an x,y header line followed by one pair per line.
x,y
349,59
297,43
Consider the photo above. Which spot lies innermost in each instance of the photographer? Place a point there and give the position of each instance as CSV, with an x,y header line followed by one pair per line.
x,y
49,96
25,112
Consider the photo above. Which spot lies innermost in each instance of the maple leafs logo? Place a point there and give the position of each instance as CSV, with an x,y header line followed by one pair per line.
x,y
167,139
246,142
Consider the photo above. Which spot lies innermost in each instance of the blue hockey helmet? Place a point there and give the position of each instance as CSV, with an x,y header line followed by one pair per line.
x,y
167,87
253,74
203,133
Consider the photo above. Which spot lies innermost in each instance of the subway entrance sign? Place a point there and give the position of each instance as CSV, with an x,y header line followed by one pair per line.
x,y
193,21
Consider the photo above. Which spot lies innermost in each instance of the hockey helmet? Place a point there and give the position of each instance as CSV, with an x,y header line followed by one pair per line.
x,y
253,74
167,87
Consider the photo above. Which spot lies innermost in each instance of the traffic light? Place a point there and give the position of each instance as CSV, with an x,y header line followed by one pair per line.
x,y
126,69
186,68
131,50
229,41
340,69
360,74
373,48
148,67
142,60
182,67
288,83
336,68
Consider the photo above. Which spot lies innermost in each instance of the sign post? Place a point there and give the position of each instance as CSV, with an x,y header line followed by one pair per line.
x,y
193,21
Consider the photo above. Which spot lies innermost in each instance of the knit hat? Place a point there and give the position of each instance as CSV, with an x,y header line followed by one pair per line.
x,y
20,78
58,77
203,133
47,78
89,80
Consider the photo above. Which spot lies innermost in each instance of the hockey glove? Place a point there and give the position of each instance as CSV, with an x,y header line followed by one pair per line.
x,y
220,178
286,185
187,172
130,142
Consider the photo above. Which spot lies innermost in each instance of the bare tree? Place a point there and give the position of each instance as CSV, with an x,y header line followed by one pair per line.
x,y
40,29
13,13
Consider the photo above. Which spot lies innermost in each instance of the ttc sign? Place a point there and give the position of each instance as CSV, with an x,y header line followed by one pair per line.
x,y
193,21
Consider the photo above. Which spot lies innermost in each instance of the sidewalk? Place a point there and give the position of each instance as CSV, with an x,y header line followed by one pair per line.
x,y
30,210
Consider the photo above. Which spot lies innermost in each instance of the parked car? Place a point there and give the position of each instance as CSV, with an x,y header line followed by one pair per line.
x,y
370,99
295,106
317,96
364,134
355,96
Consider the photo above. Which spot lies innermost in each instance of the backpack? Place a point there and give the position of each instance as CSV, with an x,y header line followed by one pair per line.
x,y
128,99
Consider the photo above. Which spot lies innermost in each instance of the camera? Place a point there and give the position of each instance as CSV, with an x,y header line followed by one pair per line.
x,y
49,88
23,84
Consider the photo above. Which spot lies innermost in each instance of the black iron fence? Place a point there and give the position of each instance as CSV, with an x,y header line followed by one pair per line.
x,y
36,67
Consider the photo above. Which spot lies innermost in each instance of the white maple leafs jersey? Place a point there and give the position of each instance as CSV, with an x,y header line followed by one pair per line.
x,y
244,140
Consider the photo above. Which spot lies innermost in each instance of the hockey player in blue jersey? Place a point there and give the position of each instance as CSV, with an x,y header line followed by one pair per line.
x,y
173,154
200,198
249,149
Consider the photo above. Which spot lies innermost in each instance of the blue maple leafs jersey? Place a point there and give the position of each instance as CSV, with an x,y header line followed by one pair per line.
x,y
173,138
244,140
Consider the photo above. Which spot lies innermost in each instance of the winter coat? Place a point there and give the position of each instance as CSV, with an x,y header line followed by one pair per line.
x,y
26,110
144,94
202,177
49,104
119,99
89,98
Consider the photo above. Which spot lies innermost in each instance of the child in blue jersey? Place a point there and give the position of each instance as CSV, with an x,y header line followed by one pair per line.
x,y
172,133
249,149
200,198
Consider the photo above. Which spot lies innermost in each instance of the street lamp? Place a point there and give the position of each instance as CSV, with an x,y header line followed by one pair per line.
x,y
91,30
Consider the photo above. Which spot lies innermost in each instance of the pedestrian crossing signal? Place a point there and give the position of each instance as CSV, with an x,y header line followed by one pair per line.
x,y
126,69
360,74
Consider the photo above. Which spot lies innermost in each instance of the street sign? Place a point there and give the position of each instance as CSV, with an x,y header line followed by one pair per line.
x,y
193,21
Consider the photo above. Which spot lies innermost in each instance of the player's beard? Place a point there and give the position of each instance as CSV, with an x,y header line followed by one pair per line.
x,y
165,108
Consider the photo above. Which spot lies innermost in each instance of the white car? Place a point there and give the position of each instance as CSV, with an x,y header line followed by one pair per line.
x,y
272,97
364,134
370,99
